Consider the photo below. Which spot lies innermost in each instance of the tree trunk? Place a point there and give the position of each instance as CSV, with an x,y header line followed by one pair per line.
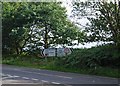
x,y
46,37
20,48
17,51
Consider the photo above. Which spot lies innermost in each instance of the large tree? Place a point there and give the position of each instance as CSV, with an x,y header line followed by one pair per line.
x,y
104,19
106,26
37,23
14,19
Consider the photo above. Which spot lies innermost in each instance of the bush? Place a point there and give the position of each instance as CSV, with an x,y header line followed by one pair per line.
x,y
105,55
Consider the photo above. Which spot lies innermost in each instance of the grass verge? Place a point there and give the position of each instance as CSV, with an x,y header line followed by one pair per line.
x,y
48,64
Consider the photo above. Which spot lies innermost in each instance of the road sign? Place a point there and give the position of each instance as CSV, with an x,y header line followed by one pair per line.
x,y
56,52
49,52
67,51
60,52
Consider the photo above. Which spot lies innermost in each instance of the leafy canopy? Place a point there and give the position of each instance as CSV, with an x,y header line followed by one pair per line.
x,y
21,20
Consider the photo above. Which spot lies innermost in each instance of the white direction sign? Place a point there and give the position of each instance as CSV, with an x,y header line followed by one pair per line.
x,y
56,52
60,52
49,52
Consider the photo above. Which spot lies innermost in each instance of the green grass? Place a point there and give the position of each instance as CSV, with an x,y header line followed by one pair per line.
x,y
101,60
34,62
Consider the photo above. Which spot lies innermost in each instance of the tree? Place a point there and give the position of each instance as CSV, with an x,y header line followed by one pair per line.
x,y
104,19
106,26
23,23
17,18
13,19
83,9
56,26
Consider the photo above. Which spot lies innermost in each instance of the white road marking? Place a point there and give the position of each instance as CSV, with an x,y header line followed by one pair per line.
x,y
9,75
16,76
55,83
25,78
44,81
34,79
46,74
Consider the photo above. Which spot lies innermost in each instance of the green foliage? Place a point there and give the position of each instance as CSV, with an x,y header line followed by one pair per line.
x,y
14,22
40,24
106,25
106,55
104,19
50,64
84,9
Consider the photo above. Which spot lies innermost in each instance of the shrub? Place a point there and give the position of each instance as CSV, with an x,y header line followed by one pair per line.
x,y
105,55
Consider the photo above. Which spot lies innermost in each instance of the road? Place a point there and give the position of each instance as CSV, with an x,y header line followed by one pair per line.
x,y
23,75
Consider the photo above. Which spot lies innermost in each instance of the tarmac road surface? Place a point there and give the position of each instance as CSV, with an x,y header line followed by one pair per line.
x,y
12,75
